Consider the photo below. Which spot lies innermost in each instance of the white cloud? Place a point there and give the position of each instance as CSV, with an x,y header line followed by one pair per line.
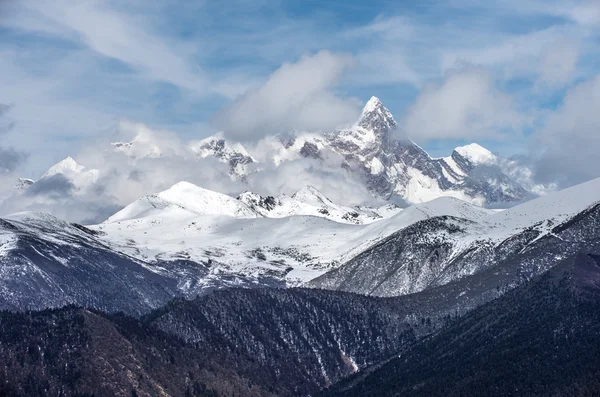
x,y
466,105
336,183
119,36
382,53
586,13
559,63
547,56
566,148
297,96
155,161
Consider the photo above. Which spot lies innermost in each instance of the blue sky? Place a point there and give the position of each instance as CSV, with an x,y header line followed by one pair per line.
x,y
450,71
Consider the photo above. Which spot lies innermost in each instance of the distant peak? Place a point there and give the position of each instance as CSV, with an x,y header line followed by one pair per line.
x,y
65,165
309,194
476,154
308,189
68,162
184,186
376,117
373,104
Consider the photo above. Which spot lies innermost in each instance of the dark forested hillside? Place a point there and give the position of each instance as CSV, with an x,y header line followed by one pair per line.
x,y
232,343
302,339
541,339
76,352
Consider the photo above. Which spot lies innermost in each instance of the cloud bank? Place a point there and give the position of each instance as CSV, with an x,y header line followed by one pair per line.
x,y
297,96
566,148
467,105
143,161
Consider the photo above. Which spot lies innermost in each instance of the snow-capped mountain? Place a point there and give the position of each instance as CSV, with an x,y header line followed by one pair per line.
x,y
77,173
78,176
188,240
46,262
373,150
235,155
292,238
184,197
501,248
310,202
393,165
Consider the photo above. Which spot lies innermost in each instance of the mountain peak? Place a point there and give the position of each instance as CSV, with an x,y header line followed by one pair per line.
x,y
376,117
184,186
66,165
476,154
310,195
187,197
373,104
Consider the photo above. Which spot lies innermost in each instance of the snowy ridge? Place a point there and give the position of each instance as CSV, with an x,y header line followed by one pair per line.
x,y
189,240
309,201
436,250
185,197
290,236
556,207
188,197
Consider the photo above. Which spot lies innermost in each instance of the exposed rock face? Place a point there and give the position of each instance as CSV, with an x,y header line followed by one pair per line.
x,y
234,155
23,184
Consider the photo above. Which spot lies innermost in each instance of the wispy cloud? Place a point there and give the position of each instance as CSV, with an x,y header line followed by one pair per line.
x,y
116,35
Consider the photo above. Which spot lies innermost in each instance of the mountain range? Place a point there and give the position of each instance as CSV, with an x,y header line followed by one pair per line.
x,y
423,275
192,292
188,240
377,155
539,339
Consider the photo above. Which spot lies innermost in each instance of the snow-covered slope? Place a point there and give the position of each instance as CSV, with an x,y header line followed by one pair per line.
x,y
310,202
506,246
186,241
553,208
184,197
297,238
46,262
